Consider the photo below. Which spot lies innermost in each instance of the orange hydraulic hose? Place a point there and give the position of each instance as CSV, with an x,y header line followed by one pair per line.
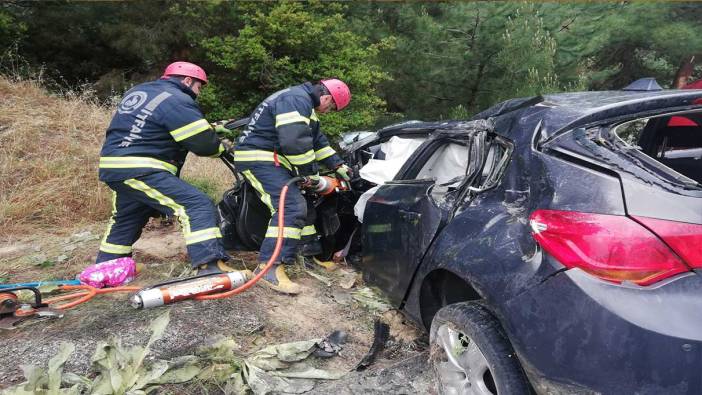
x,y
271,261
83,296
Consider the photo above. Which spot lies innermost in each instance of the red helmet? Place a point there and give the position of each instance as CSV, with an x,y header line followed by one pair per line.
x,y
339,92
185,69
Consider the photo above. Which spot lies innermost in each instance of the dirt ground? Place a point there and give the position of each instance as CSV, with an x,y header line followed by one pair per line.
x,y
255,319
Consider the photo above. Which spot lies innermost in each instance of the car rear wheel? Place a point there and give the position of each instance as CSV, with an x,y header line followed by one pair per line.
x,y
470,353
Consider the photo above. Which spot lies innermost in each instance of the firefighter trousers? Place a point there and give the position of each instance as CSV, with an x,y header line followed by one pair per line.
x,y
137,199
268,180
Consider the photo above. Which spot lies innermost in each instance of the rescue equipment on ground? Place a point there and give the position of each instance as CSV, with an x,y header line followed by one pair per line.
x,y
204,288
37,284
177,290
13,311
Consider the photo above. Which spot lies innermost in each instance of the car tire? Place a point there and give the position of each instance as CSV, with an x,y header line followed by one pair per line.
x,y
482,362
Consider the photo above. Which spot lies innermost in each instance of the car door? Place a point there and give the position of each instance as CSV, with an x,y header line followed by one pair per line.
x,y
402,218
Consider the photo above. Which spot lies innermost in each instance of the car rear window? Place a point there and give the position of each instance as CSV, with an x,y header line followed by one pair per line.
x,y
673,140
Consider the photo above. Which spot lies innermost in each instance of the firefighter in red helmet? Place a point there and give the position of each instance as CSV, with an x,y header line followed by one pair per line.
x,y
283,140
155,126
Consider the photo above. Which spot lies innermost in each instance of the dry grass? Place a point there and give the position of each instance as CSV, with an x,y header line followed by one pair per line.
x,y
210,173
49,150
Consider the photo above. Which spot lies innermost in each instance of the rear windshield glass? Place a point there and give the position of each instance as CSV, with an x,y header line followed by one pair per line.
x,y
674,140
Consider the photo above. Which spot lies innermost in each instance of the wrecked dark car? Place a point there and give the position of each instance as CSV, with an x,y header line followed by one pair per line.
x,y
549,244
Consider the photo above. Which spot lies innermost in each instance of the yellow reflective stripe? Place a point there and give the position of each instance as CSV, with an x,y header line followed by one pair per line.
x,y
288,233
308,230
164,200
313,117
301,159
109,247
112,218
324,153
260,156
202,235
290,117
130,162
218,153
115,248
190,129
265,198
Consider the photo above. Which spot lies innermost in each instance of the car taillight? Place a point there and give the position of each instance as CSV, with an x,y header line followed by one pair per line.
x,y
684,238
612,247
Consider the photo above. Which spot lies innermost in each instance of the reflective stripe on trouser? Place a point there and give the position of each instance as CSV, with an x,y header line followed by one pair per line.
x,y
124,227
268,180
167,194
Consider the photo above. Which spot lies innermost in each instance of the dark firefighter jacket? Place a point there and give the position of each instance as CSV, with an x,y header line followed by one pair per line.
x,y
155,126
285,130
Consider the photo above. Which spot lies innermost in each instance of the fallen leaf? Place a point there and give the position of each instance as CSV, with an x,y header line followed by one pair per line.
x,y
371,300
347,281
319,277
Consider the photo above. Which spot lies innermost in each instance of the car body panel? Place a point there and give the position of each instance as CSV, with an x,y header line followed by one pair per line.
x,y
646,201
588,333
400,222
402,217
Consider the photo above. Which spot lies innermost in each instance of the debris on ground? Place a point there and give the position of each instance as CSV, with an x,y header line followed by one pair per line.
x,y
282,368
348,279
331,345
371,299
381,334
325,280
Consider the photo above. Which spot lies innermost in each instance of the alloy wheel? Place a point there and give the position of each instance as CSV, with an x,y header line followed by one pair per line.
x,y
462,367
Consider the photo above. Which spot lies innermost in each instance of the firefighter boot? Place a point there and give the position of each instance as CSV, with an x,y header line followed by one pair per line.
x,y
277,280
213,268
310,248
311,262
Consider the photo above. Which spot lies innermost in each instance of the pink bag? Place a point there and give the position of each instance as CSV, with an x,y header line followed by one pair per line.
x,y
112,273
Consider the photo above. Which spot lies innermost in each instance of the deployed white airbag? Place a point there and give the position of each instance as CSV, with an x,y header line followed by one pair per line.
x,y
397,150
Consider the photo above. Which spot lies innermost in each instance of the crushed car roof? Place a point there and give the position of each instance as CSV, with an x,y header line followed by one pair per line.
x,y
555,112
570,110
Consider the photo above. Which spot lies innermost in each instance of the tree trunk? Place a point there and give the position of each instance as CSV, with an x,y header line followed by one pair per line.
x,y
474,88
684,72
